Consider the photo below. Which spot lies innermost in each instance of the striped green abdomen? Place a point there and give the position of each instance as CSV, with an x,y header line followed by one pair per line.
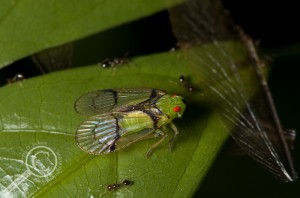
x,y
136,121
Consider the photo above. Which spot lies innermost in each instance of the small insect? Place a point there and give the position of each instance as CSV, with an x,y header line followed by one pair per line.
x,y
187,85
118,118
112,63
16,78
112,187
175,48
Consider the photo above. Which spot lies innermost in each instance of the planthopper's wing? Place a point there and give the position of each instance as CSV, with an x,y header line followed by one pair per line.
x,y
104,101
102,134
98,134
238,88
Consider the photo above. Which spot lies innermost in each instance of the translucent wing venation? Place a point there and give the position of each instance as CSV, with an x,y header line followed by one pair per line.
x,y
105,133
96,102
104,101
252,124
214,21
54,59
98,134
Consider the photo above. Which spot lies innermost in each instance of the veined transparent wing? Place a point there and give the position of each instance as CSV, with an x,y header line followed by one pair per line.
x,y
104,101
105,133
238,88
54,59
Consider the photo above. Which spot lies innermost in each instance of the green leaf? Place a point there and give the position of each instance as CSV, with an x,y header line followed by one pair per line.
x,y
38,113
28,26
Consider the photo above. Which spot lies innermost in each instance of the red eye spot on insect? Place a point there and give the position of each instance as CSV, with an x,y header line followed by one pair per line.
x,y
176,108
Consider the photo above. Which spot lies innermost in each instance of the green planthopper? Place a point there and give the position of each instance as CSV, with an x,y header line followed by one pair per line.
x,y
120,117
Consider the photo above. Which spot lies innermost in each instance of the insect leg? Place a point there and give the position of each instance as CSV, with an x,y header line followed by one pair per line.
x,y
176,132
159,133
125,141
